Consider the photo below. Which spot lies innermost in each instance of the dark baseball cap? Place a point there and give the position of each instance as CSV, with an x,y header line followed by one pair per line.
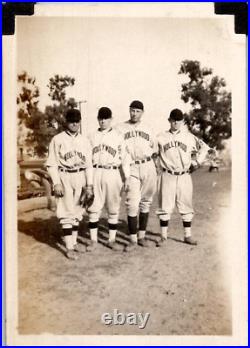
x,y
73,115
104,113
176,115
136,104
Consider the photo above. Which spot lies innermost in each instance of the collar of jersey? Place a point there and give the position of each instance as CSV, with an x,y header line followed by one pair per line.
x,y
72,135
105,131
170,131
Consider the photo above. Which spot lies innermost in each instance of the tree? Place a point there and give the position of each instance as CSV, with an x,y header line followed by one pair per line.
x,y
36,128
210,114
27,102
55,113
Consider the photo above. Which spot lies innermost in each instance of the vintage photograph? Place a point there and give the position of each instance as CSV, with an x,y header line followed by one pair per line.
x,y
124,164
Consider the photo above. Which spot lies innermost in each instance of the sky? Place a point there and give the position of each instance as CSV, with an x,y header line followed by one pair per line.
x,y
118,59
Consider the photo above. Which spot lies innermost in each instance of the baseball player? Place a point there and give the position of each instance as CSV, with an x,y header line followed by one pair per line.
x,y
142,182
109,155
70,166
175,187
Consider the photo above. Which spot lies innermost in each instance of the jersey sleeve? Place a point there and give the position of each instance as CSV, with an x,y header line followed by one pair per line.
x,y
52,162
88,153
154,144
125,159
202,149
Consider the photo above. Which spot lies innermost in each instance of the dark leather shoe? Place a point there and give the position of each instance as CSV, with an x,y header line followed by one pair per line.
x,y
190,241
143,242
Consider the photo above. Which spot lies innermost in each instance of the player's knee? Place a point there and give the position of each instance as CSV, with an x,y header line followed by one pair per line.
x,y
113,218
93,217
187,217
132,210
164,217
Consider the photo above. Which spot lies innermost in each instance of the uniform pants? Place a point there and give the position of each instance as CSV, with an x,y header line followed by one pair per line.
x,y
142,187
175,190
107,191
69,209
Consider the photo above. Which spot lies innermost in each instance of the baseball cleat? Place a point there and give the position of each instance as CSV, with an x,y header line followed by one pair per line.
x,y
78,249
71,255
92,246
131,246
190,241
143,242
113,245
161,242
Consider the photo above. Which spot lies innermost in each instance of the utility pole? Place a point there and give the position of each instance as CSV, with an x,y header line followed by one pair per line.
x,y
80,108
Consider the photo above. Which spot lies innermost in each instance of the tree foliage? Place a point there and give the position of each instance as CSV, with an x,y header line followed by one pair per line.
x,y
210,115
36,128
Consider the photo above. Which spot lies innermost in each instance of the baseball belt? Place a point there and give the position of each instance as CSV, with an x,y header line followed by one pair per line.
x,y
105,166
147,159
175,173
71,170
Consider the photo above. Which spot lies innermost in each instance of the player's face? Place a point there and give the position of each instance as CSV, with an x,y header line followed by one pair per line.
x,y
135,115
104,123
73,127
175,125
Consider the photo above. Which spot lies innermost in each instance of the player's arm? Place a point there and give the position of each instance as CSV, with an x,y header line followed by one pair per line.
x,y
52,167
202,150
125,164
155,156
89,165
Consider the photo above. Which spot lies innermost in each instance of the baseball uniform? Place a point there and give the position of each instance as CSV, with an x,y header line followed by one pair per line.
x,y
141,145
69,163
111,161
174,183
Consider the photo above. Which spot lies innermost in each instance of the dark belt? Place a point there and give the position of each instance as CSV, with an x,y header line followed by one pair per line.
x,y
105,167
71,170
147,159
175,173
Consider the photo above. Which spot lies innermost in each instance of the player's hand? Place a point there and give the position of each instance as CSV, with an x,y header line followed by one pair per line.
x,y
194,166
126,185
58,190
87,197
158,171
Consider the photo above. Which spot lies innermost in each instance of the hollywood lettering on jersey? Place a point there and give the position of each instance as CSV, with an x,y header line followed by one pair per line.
x,y
71,154
103,147
135,134
172,144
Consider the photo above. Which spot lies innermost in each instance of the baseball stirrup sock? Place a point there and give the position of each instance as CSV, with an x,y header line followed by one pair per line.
x,y
143,221
141,234
187,228
75,233
67,231
164,228
93,228
133,238
132,224
69,242
112,232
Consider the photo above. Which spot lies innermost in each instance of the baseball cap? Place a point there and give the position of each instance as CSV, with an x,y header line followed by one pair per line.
x,y
73,115
104,113
176,115
136,104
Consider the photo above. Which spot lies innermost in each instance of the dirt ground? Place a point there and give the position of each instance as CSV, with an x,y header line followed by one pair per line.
x,y
181,286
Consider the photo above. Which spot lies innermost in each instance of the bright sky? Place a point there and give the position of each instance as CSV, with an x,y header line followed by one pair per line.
x,y
116,60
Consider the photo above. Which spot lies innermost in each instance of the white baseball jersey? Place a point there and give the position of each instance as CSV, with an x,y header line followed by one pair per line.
x,y
139,139
68,151
176,148
108,148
